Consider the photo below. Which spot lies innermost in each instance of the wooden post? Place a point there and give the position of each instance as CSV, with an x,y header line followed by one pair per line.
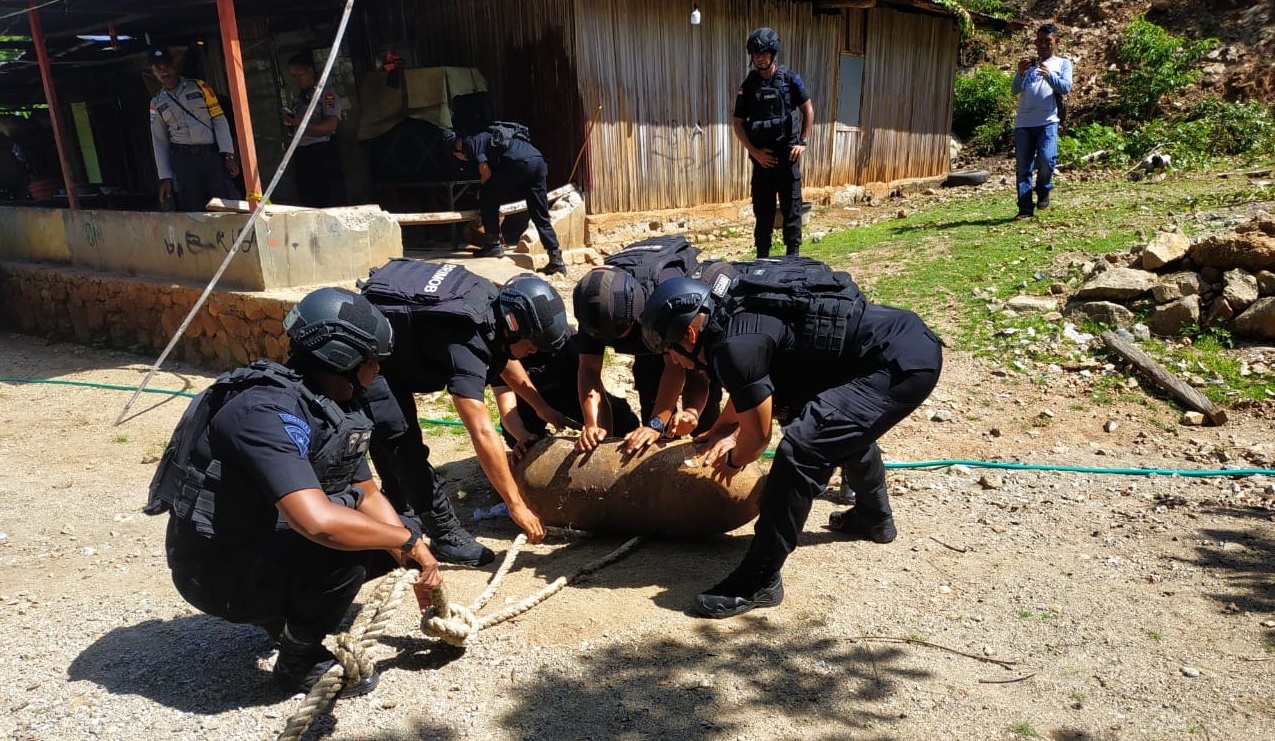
x,y
1165,380
51,97
239,97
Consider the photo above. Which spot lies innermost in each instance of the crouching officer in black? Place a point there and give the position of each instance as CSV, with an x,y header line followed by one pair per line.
x,y
457,331
835,370
510,170
273,514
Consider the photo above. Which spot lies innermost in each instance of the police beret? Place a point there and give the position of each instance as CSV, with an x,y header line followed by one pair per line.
x,y
158,55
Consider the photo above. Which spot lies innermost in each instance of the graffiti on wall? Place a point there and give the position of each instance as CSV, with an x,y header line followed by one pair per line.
x,y
196,241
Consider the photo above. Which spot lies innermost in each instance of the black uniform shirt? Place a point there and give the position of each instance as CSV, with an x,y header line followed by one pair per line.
x,y
434,353
263,437
758,356
478,148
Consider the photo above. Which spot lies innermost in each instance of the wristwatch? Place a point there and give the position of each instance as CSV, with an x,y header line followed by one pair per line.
x,y
656,424
803,142
412,540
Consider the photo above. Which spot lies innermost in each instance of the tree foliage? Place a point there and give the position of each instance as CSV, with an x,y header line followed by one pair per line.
x,y
1153,63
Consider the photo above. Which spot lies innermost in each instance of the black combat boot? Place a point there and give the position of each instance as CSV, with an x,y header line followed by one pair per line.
x,y
493,249
556,266
874,526
748,586
300,665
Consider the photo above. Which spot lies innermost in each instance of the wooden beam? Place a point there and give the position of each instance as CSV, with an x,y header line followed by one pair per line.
x,y
227,205
460,217
51,97
247,145
1165,380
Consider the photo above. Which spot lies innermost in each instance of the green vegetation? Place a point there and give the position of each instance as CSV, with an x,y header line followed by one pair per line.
x,y
1155,634
1025,730
1153,63
983,109
956,261
121,438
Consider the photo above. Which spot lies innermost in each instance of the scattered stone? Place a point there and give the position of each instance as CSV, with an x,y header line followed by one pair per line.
x,y
991,481
1164,248
1190,671
941,415
1110,426
1116,284
1192,419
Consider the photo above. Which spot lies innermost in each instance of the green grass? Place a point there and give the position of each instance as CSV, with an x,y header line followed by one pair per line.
x,y
1155,634
121,438
1025,730
956,261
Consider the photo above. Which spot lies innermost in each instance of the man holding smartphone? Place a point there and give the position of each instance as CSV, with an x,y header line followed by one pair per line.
x,y
1039,83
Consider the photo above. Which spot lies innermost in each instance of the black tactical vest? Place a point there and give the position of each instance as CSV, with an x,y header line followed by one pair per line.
x,y
822,306
404,287
187,478
645,260
772,119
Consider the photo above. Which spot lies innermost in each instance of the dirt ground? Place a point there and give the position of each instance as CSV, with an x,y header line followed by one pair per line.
x,y
1122,606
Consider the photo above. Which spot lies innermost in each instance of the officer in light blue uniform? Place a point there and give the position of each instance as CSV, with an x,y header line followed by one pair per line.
x,y
320,176
194,154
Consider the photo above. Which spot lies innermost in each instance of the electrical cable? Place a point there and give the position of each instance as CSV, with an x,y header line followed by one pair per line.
x,y
943,463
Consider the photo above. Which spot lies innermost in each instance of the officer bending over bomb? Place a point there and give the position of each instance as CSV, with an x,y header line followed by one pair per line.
x,y
608,301
273,514
835,370
455,330
554,376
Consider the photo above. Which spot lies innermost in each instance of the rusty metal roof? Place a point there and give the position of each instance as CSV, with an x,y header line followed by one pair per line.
x,y
91,33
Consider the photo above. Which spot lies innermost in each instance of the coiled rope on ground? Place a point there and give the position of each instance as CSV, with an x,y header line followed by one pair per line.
x,y
453,623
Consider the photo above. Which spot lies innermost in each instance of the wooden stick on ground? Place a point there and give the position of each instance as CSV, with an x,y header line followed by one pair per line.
x,y
1165,380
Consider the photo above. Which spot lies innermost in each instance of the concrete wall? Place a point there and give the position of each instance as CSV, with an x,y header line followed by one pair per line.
x,y
285,249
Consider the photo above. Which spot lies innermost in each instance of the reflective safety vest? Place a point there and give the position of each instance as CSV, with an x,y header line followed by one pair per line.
x,y
823,306
186,481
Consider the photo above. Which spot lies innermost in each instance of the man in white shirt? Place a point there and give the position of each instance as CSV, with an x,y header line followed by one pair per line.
x,y
1040,83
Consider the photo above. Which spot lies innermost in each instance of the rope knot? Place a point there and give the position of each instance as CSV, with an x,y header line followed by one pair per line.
x,y
453,624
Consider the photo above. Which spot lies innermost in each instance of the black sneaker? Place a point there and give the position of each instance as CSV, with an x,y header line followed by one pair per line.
x,y
299,667
555,267
457,546
495,249
739,593
1042,202
853,522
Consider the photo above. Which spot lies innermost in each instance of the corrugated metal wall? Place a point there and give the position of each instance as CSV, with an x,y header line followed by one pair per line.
x,y
909,68
667,88
524,49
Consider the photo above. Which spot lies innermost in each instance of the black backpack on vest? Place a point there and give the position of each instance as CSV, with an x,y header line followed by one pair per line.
x,y
404,286
645,260
822,305
504,132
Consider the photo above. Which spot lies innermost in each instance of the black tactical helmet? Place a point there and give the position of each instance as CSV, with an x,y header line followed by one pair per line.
x,y
608,302
340,329
671,309
530,309
763,40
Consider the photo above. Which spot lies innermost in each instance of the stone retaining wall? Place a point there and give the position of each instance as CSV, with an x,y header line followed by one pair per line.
x,y
91,308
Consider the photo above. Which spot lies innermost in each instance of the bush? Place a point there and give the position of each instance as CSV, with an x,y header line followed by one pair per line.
x,y
1234,128
983,108
1088,139
1153,63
